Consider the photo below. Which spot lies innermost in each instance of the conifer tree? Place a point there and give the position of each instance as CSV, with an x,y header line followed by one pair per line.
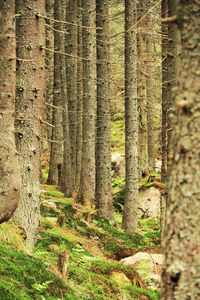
x,y
131,119
9,165
30,33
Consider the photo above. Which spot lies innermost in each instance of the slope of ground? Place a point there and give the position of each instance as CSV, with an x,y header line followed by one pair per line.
x,y
92,251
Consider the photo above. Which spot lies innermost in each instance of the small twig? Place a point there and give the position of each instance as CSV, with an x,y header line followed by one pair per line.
x,y
46,123
172,19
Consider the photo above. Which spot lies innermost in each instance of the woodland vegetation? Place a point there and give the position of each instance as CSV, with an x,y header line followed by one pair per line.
x,y
82,82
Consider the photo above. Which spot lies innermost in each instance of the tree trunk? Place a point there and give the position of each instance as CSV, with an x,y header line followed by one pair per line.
x,y
164,10
150,97
141,91
71,65
103,156
174,50
79,118
49,62
30,30
66,180
131,119
9,165
56,157
87,188
181,276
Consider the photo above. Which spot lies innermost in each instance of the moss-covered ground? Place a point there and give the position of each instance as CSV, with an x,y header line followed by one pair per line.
x,y
94,249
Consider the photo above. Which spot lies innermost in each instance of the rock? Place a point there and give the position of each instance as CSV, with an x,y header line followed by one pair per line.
x,y
120,278
149,203
153,281
148,265
118,164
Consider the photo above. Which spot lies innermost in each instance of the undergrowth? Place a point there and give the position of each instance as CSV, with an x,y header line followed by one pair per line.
x,y
94,249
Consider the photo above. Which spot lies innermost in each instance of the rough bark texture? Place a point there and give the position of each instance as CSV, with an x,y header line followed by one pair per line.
x,y
174,50
56,157
49,64
66,181
9,167
103,156
141,90
30,30
88,156
164,11
131,119
150,96
79,118
181,273
71,65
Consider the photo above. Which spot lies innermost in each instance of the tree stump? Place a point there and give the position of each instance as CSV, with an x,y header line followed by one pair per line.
x,y
63,263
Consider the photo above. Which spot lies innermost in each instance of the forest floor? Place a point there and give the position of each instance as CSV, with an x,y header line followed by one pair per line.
x,y
90,247
77,254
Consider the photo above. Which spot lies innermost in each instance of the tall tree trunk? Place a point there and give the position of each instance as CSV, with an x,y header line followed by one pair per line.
x,y
87,188
174,50
71,61
131,119
56,157
66,181
103,156
164,11
141,90
181,276
9,165
30,30
79,118
49,62
150,97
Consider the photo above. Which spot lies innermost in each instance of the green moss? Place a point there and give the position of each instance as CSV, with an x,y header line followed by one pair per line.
x,y
11,234
21,274
54,194
117,136
136,292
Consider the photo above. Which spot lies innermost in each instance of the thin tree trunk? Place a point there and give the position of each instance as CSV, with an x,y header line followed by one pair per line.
x,y
49,62
103,156
141,91
87,188
174,49
30,30
181,276
56,157
9,165
150,98
164,11
131,119
66,181
79,140
71,67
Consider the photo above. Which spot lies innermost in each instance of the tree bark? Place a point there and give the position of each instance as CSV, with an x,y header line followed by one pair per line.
x,y
71,67
141,90
164,11
150,96
181,276
9,165
30,30
49,63
79,118
56,156
103,156
66,180
131,119
87,188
